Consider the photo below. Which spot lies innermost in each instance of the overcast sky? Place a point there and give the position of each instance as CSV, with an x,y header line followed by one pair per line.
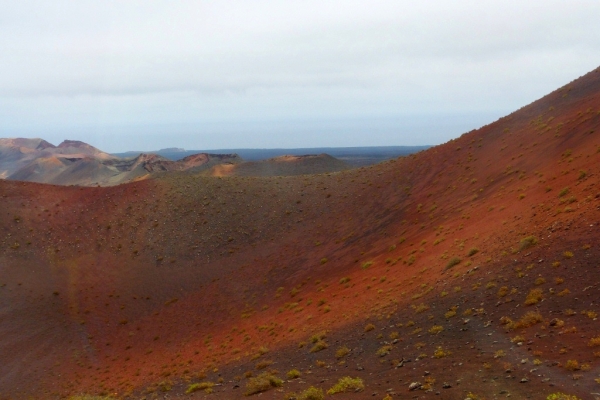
x,y
142,75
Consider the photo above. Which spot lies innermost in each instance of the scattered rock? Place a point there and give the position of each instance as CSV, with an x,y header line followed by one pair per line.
x,y
446,385
524,380
414,386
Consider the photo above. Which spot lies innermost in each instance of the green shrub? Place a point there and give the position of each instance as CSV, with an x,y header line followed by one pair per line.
x,y
263,364
528,242
312,393
342,352
194,387
561,396
347,384
262,383
165,385
452,262
436,329
384,351
568,254
534,296
293,374
319,345
318,336
563,192
530,318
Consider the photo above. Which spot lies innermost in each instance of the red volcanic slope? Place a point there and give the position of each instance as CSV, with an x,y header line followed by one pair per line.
x,y
153,285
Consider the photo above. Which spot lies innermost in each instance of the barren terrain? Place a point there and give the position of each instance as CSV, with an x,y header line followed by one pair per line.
x,y
467,270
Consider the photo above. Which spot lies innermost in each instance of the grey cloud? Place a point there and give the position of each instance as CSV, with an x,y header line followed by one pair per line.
x,y
98,63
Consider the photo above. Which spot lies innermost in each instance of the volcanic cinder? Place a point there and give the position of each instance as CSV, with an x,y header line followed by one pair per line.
x,y
466,270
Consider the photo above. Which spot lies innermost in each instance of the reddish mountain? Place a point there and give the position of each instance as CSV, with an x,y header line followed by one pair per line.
x,y
282,166
465,271
77,163
39,161
67,144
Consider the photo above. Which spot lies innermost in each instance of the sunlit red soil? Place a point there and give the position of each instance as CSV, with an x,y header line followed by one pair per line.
x,y
145,288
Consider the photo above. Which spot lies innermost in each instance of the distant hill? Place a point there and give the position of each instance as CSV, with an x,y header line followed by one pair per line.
x,y
288,165
28,158
354,156
74,162
77,163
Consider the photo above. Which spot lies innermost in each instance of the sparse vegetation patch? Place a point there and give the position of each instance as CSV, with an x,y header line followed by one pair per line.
x,y
453,262
262,383
347,384
528,242
206,386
